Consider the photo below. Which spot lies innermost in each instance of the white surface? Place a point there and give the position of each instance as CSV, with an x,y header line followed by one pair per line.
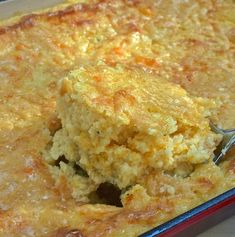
x,y
11,7
224,229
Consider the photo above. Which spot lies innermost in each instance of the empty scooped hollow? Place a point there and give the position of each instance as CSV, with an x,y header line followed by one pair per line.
x,y
108,194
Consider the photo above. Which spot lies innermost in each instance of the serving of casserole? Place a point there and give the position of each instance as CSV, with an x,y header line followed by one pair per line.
x,y
104,114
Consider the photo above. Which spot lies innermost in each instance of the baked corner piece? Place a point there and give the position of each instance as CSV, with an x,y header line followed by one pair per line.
x,y
119,123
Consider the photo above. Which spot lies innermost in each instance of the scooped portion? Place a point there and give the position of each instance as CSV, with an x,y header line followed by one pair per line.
x,y
120,123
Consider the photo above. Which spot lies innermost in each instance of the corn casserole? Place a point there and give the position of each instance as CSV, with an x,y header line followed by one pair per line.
x,y
105,110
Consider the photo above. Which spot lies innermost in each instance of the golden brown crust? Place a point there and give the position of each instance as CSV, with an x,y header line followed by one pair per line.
x,y
29,21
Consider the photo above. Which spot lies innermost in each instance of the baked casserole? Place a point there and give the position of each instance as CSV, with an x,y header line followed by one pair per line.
x,y
104,114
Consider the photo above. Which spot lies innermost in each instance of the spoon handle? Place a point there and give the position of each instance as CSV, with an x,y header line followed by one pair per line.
x,y
226,145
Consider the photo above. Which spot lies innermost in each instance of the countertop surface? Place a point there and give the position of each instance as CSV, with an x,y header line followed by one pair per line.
x,y
224,229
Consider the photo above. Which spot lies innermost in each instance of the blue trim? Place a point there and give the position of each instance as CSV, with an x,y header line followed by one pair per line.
x,y
189,214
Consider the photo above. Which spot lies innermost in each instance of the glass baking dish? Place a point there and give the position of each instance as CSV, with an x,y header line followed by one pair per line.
x,y
188,224
198,219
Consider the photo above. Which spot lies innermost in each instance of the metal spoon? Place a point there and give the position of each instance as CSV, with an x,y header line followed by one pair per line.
x,y
225,145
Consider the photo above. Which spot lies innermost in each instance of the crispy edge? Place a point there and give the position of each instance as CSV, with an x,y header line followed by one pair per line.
x,y
29,21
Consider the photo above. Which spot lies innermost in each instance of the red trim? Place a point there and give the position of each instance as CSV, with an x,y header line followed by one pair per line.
x,y
197,218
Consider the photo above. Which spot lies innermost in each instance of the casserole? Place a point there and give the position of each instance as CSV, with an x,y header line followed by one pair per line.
x,y
138,59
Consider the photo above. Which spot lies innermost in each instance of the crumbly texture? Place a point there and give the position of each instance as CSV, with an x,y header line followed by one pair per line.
x,y
119,123
190,43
